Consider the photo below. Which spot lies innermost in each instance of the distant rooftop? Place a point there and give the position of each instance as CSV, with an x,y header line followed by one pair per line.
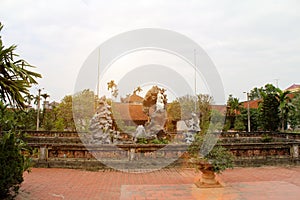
x,y
293,88
128,111
134,99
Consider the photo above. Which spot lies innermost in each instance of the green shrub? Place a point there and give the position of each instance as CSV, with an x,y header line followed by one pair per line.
x,y
159,141
266,138
12,165
226,126
219,157
142,141
239,124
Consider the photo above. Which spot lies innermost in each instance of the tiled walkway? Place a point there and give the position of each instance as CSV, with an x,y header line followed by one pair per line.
x,y
170,184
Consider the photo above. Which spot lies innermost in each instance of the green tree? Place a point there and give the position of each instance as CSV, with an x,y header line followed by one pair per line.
x,y
254,118
15,79
204,105
273,109
255,93
239,124
294,114
12,164
84,106
65,114
183,107
269,112
26,118
284,107
258,93
233,108
173,115
293,120
49,119
269,89
59,124
174,111
216,120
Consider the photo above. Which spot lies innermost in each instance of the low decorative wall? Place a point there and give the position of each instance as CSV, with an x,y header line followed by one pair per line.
x,y
293,136
65,149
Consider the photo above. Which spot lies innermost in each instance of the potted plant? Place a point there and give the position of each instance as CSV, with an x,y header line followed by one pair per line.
x,y
214,162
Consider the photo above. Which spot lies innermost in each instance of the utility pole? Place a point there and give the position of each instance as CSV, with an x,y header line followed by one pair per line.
x,y
248,110
195,80
38,109
277,79
98,74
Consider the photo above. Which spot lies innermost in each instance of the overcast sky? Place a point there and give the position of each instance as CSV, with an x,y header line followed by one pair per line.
x,y
250,42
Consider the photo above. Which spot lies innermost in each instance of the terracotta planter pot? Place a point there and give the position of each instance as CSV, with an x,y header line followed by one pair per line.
x,y
208,180
208,177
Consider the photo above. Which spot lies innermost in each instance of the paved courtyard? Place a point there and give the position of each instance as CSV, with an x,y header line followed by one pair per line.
x,y
240,184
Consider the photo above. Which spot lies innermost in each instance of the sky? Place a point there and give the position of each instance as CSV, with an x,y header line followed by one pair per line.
x,y
251,42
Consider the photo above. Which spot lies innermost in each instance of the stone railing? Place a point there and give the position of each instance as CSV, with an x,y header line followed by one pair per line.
x,y
65,149
60,134
271,153
293,136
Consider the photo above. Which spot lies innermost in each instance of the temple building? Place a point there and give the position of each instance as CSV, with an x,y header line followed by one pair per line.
x,y
130,110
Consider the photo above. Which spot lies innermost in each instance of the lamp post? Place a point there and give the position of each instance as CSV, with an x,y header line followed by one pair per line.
x,y
38,110
248,111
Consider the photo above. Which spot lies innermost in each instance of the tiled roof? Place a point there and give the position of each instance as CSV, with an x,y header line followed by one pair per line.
x,y
220,108
126,111
255,103
293,88
134,98
252,103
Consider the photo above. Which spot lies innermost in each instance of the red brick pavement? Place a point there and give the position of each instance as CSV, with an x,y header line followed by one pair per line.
x,y
240,183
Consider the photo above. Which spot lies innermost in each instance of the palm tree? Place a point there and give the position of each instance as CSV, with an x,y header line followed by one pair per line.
x,y
113,87
233,107
111,84
45,96
138,89
28,99
15,80
284,106
46,106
